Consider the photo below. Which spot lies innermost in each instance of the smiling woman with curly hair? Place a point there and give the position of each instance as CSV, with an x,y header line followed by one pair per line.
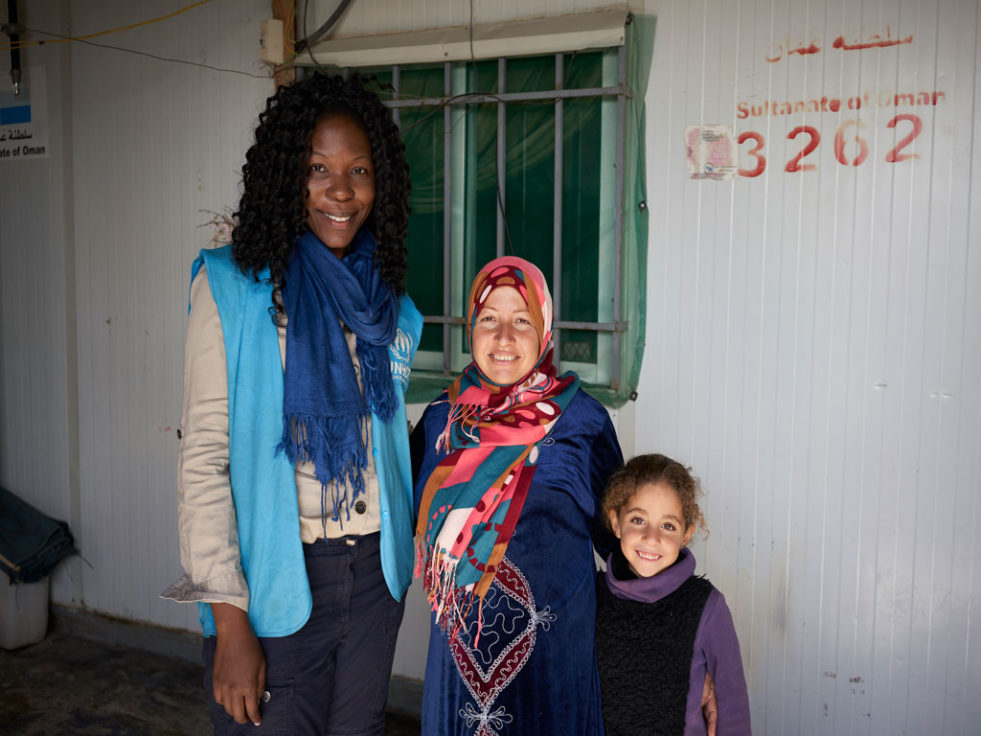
x,y
295,489
272,214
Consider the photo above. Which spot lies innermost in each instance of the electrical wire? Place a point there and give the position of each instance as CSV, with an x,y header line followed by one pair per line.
x,y
154,56
309,50
309,40
119,29
60,38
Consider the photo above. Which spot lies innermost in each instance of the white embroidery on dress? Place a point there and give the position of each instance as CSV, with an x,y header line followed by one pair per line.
x,y
497,719
545,617
507,640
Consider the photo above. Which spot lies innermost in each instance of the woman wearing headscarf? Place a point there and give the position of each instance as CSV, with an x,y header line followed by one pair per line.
x,y
511,462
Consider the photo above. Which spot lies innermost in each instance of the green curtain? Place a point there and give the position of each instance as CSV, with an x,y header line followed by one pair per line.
x,y
633,275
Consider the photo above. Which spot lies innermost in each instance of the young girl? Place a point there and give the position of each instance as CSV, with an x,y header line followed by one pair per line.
x,y
659,628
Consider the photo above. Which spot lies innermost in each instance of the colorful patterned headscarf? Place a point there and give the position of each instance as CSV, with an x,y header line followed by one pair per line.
x,y
473,498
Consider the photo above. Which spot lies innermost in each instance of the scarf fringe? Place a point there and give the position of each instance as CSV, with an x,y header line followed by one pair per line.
x,y
379,388
459,417
450,605
339,459
325,411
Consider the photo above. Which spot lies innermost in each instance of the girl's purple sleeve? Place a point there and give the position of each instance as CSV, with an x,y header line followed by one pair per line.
x,y
716,638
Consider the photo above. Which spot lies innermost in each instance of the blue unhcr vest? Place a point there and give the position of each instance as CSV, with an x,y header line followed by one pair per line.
x,y
263,480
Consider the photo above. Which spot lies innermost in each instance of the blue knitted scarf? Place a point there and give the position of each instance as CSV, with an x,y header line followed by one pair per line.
x,y
325,415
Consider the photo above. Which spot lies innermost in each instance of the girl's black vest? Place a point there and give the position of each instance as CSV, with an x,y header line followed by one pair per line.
x,y
644,652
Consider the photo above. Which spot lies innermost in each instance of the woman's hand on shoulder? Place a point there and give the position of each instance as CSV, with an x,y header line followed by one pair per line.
x,y
238,676
710,706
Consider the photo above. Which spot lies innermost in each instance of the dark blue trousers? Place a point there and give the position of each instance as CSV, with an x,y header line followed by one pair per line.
x,y
331,677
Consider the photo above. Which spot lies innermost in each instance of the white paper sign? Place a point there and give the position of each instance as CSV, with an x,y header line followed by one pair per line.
x,y
23,117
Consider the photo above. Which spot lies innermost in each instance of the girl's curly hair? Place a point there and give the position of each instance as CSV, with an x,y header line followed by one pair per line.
x,y
272,213
649,470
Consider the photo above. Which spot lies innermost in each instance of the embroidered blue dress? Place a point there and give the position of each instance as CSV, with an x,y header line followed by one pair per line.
x,y
533,669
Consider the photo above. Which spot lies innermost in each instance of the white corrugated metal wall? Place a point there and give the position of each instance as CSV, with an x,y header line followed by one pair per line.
x,y
813,340
156,145
813,348
96,244
37,369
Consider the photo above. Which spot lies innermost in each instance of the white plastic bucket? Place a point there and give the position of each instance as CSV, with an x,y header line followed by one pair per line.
x,y
23,612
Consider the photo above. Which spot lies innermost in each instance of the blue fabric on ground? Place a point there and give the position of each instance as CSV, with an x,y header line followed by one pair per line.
x,y
31,543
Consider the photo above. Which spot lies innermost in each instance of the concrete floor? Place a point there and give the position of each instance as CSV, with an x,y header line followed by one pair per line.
x,y
68,685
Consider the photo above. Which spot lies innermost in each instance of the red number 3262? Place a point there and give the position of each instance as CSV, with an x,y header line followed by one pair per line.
x,y
850,148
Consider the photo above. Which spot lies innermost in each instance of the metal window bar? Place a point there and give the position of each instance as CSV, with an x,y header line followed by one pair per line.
x,y
557,192
618,234
478,98
502,72
396,88
447,212
558,95
436,319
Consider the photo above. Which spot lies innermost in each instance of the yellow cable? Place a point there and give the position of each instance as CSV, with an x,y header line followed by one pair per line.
x,y
23,44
